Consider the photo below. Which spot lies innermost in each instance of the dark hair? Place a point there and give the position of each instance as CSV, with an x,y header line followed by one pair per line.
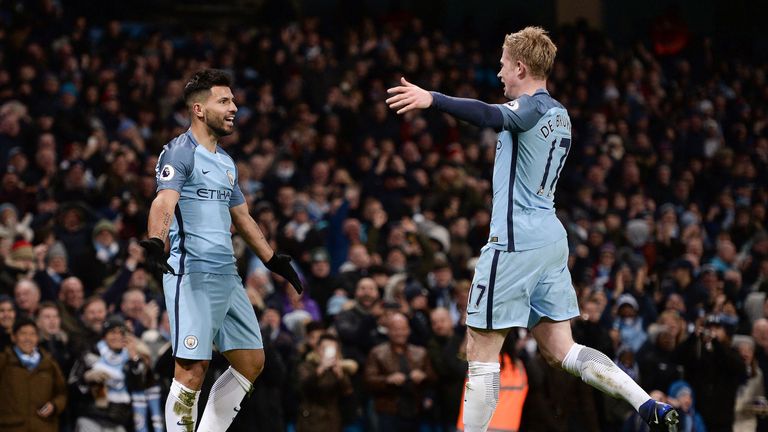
x,y
313,326
23,322
203,80
328,337
6,299
46,305
92,299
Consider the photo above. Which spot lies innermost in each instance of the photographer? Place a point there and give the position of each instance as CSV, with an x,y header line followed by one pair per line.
x,y
324,377
714,369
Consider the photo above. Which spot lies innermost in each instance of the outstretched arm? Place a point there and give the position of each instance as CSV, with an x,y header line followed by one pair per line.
x,y
408,97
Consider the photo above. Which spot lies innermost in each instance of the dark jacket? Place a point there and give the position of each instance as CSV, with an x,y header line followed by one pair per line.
x,y
404,400
23,392
451,371
320,394
715,372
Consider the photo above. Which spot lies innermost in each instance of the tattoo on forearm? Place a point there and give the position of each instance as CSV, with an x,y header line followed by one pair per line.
x,y
166,225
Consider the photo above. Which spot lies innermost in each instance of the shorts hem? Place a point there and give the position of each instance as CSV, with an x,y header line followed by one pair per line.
x,y
250,347
494,326
193,357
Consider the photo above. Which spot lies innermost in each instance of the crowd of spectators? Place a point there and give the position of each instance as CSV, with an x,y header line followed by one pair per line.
x,y
664,198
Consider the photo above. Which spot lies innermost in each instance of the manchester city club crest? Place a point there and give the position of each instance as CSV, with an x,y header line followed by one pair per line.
x,y
231,178
190,342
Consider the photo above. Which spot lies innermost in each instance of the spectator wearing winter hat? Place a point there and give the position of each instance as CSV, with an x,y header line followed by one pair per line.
x,y
321,284
102,376
105,253
681,397
21,259
417,298
54,270
628,327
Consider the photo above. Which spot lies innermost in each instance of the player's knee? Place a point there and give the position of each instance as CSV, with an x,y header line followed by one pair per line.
x,y
252,368
484,346
551,358
190,373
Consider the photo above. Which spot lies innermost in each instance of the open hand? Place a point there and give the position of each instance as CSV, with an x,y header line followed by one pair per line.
x,y
408,97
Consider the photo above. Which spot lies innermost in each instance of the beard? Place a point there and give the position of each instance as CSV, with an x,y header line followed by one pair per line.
x,y
219,126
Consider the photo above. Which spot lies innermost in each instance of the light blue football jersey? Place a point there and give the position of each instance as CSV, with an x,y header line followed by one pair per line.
x,y
530,154
207,183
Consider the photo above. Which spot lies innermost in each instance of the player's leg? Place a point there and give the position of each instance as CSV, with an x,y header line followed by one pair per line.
x,y
239,338
181,405
496,303
596,369
553,304
483,379
189,313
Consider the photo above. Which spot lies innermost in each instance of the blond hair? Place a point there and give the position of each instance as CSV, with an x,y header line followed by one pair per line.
x,y
533,47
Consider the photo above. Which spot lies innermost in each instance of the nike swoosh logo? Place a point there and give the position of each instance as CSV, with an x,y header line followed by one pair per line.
x,y
206,172
472,313
237,409
656,416
185,422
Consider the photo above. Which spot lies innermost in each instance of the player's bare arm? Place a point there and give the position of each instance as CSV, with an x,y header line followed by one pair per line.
x,y
159,225
276,263
250,231
161,214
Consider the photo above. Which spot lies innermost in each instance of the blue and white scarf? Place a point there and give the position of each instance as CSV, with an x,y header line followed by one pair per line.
x,y
29,361
114,364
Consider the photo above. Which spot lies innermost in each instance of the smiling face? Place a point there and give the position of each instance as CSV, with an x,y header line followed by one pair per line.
x,y
26,339
217,111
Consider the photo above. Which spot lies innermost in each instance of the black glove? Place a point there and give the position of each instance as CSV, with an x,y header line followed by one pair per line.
x,y
154,256
281,264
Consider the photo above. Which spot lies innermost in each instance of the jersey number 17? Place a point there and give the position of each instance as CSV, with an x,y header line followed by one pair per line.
x,y
565,143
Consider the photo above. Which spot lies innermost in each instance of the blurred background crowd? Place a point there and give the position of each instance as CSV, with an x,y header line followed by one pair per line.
x,y
664,198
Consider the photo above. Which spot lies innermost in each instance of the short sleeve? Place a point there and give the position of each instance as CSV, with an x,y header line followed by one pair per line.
x,y
520,114
237,197
175,165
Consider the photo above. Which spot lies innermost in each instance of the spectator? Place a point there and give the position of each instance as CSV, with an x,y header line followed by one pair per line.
x,y
93,317
27,296
321,284
751,394
101,378
323,378
54,270
34,392
657,359
52,338
7,318
628,326
400,378
714,370
71,300
681,397
446,354
356,326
